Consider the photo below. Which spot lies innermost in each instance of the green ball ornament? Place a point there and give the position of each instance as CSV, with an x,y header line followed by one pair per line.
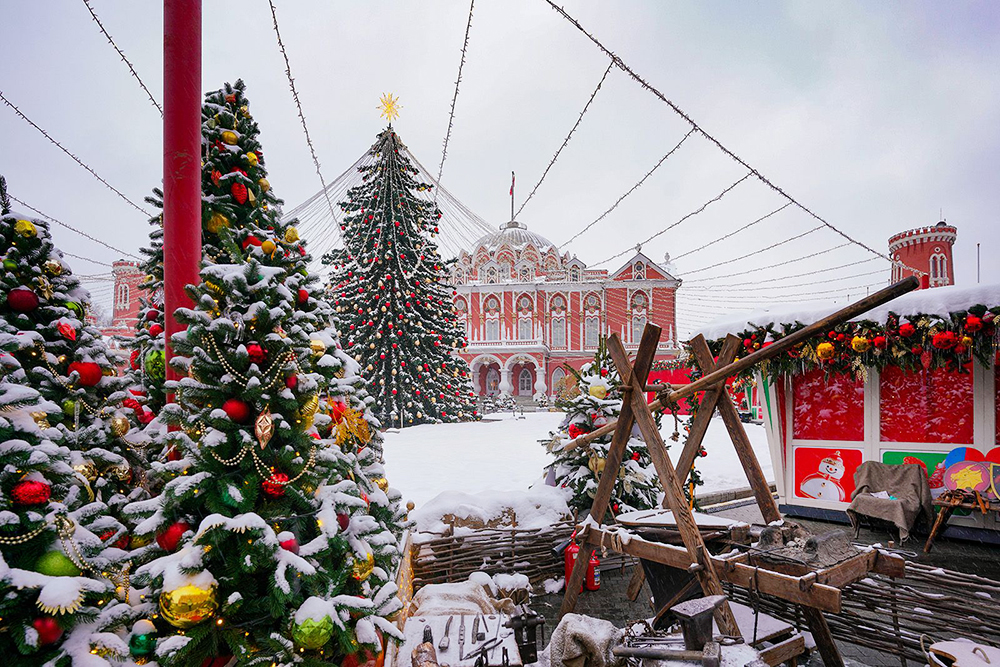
x,y
75,307
9,264
69,407
56,564
311,633
156,364
140,646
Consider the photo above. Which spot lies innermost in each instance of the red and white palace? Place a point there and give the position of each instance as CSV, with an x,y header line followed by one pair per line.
x,y
529,311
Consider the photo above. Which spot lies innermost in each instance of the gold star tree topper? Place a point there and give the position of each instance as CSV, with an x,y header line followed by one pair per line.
x,y
389,107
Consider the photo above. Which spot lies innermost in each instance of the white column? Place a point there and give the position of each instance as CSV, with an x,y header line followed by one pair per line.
x,y
475,380
506,387
540,387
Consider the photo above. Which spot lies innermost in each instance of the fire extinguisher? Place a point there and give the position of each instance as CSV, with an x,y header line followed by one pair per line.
x,y
572,549
593,581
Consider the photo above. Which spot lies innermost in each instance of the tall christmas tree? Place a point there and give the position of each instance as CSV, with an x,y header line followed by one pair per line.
x,y
598,402
67,360
391,302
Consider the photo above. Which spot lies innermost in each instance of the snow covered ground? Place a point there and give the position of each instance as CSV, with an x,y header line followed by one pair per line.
x,y
505,455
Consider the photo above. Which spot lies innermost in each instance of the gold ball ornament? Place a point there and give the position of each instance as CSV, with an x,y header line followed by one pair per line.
x,y
119,426
122,472
252,159
596,464
291,235
87,469
189,605
53,267
382,483
363,568
307,413
26,228
264,185
318,347
598,391
268,247
229,137
216,223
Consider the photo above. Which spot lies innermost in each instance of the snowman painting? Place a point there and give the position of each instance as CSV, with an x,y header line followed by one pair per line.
x,y
824,484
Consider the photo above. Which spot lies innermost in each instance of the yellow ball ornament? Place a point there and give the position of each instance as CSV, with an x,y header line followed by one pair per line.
x,y
291,235
26,228
596,464
252,159
189,605
318,347
87,469
307,413
264,185
119,426
382,483
229,137
268,247
598,391
363,568
216,223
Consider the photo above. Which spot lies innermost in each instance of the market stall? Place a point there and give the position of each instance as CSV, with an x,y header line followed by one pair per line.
x,y
914,381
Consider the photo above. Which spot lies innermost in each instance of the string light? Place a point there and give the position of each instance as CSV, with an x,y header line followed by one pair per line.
x,y
756,252
74,229
454,98
733,233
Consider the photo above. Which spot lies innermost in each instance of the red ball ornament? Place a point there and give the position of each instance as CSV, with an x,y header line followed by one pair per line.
x,y
274,486
880,342
973,323
236,410
152,314
48,630
251,240
22,300
90,373
635,456
337,411
292,381
239,192
256,353
906,329
145,416
155,329
29,492
287,541
173,454
303,296
343,520
171,537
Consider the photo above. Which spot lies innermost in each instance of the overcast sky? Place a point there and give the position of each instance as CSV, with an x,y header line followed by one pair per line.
x,y
877,116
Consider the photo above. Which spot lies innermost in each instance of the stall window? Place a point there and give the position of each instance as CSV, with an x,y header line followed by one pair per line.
x,y
926,406
828,407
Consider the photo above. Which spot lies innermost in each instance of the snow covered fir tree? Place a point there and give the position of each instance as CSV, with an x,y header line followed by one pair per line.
x,y
388,290
599,402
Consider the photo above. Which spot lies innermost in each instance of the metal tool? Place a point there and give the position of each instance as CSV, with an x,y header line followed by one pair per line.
x,y
474,637
445,640
480,632
524,623
461,638
695,617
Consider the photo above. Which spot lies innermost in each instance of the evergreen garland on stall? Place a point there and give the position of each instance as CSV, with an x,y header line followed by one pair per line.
x,y
389,295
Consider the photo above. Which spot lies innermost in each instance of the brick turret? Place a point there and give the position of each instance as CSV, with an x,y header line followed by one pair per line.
x,y
127,275
926,249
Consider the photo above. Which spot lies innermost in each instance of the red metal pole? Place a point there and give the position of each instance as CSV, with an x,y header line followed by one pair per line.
x,y
181,156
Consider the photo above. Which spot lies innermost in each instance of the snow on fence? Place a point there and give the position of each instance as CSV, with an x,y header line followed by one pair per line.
x,y
890,614
534,552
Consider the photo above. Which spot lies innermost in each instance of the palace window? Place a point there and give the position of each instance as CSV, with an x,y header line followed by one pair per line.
x,y
559,332
558,379
574,274
524,275
524,382
638,325
493,330
492,277
592,329
638,271
123,295
524,329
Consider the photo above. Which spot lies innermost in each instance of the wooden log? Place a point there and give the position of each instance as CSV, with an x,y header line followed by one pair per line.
x,y
777,347
741,442
784,651
821,635
671,485
632,376
703,415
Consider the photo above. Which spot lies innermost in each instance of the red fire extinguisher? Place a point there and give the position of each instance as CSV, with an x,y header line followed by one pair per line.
x,y
593,581
570,555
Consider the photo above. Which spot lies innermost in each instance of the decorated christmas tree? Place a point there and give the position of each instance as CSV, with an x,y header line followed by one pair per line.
x,y
388,292
598,402
67,361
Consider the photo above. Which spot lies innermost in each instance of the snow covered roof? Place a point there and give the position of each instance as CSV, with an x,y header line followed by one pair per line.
x,y
514,234
938,300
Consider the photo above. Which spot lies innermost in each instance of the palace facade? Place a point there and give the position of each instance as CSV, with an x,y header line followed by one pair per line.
x,y
529,311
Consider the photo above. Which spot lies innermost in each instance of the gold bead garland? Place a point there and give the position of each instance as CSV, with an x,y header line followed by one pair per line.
x,y
289,357
65,527
22,539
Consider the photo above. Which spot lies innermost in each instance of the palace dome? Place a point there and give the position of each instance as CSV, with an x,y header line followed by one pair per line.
x,y
515,235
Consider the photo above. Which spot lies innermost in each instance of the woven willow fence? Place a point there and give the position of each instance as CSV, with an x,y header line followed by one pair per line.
x,y
890,615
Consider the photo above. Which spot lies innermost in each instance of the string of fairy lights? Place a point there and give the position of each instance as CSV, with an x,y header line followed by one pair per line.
x,y
461,227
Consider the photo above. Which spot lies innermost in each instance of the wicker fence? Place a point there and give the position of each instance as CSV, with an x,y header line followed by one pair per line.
x,y
890,615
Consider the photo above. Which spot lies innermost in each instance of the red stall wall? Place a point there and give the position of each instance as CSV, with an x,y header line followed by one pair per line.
x,y
926,406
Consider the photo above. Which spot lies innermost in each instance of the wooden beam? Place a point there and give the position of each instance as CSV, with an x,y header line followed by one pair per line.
x,y
784,651
821,635
744,450
671,485
784,586
778,347
705,410
616,452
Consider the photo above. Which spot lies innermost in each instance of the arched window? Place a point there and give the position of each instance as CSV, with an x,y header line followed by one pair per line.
x,y
492,277
558,376
934,267
524,329
524,382
525,274
123,295
559,332
574,274
638,324
638,271
591,331
493,330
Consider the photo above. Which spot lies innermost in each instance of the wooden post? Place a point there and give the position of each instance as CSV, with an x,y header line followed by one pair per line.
x,y
703,415
751,466
686,525
763,354
606,485
821,635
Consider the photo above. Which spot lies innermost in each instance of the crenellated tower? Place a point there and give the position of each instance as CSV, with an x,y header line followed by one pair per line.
x,y
926,249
